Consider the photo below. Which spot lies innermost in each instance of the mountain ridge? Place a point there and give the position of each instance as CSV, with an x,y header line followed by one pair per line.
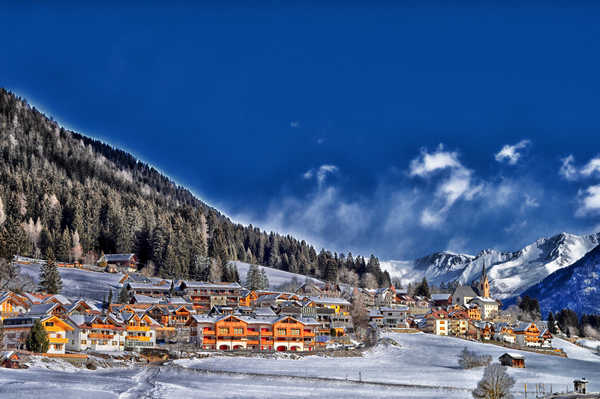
x,y
510,273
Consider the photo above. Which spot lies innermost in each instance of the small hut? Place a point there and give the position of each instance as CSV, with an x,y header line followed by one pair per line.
x,y
512,360
581,385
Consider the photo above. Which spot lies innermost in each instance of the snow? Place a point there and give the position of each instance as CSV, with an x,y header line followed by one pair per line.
x,y
79,283
276,277
510,273
420,359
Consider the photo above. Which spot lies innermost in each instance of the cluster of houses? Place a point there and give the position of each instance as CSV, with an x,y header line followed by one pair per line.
x,y
226,316
216,316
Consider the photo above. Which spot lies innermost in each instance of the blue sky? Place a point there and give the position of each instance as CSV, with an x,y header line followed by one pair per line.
x,y
393,130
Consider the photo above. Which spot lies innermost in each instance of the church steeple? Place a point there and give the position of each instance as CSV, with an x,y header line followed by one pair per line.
x,y
484,285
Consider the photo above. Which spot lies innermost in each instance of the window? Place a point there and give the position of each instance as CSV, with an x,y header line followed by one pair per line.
x,y
223,331
281,331
295,331
83,342
238,331
49,324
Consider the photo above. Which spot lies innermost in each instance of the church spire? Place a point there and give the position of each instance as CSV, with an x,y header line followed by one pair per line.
x,y
484,285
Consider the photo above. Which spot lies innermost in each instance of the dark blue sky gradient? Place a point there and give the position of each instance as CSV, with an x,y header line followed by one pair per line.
x,y
208,94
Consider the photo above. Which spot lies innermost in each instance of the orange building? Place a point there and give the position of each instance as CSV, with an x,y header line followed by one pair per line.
x,y
231,332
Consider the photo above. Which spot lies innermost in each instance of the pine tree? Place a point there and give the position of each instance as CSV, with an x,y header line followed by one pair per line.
x,y
423,289
252,278
331,270
37,339
551,324
264,280
50,280
124,295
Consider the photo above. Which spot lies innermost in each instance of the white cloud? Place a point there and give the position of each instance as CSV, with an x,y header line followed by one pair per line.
x,y
530,202
456,185
589,201
294,124
321,173
567,169
591,167
510,153
428,163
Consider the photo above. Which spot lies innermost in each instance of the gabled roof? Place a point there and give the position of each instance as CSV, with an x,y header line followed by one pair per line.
x,y
145,299
464,291
328,300
42,309
440,297
513,355
204,284
58,298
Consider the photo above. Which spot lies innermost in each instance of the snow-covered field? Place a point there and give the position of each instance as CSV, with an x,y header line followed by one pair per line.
x,y
276,277
421,359
80,283
94,285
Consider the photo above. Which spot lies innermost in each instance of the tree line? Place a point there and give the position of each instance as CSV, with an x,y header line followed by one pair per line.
x,y
79,198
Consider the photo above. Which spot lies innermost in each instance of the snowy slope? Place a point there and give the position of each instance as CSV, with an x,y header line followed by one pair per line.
x,y
510,272
276,277
576,287
79,283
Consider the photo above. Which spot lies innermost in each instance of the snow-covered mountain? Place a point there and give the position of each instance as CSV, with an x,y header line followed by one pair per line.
x,y
510,273
576,287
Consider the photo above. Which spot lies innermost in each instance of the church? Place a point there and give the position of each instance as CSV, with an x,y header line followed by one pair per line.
x,y
478,295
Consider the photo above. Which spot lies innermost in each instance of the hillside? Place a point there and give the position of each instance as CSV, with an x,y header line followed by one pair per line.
x,y
78,197
576,287
510,273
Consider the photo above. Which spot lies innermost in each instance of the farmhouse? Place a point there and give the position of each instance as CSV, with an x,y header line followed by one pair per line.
x,y
512,360
125,263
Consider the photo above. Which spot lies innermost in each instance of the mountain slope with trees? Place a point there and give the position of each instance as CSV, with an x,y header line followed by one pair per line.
x,y
79,197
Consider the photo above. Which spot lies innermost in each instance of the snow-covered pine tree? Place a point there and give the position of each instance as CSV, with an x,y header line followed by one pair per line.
x,y
50,280
264,280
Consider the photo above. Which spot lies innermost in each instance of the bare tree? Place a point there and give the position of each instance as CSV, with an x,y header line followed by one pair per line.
x,y
495,384
468,359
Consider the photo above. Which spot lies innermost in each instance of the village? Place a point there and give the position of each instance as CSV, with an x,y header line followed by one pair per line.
x,y
204,316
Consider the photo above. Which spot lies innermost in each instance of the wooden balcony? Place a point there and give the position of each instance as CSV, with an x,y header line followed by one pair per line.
x,y
58,340
255,342
100,336
207,331
138,338
208,341
138,328
252,333
266,333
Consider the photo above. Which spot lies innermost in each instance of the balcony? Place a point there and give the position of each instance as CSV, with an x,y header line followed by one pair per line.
x,y
266,333
252,333
138,328
207,341
140,338
100,336
207,331
58,340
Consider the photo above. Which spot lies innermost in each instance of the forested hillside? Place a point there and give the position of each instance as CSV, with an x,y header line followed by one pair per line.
x,y
64,191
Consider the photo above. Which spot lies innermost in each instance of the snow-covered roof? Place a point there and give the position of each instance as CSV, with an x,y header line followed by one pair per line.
x,y
329,300
204,284
145,286
42,308
440,297
145,299
60,298
117,257
513,355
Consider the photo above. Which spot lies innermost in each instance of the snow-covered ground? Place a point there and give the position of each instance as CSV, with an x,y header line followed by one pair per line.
x,y
420,359
276,277
590,344
78,283
81,283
